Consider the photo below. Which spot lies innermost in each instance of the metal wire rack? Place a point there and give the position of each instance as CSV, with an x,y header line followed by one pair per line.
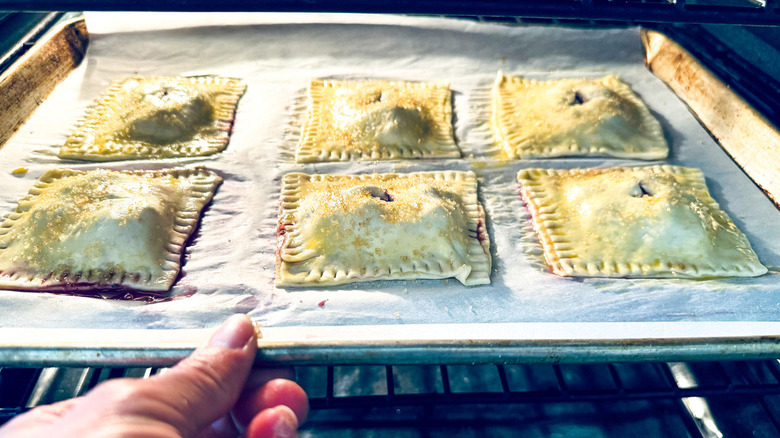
x,y
694,399
698,399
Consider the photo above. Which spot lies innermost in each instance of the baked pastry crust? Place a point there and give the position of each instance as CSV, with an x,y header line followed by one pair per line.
x,y
157,117
573,117
655,221
336,229
377,120
103,229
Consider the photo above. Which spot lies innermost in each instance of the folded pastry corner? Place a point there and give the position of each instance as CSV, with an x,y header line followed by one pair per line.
x,y
573,117
336,229
103,230
377,120
157,117
653,221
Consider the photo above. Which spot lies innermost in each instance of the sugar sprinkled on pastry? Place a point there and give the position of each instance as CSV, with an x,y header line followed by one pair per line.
x,y
103,229
338,229
573,117
656,221
157,117
377,120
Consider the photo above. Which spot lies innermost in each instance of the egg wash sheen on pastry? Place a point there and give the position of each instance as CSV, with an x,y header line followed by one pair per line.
x,y
339,228
103,229
385,223
656,221
112,220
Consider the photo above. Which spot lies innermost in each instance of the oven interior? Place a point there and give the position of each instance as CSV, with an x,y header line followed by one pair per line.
x,y
739,41
707,399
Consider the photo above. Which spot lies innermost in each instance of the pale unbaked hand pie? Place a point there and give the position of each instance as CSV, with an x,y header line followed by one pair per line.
x,y
573,117
377,120
103,230
157,117
654,222
336,229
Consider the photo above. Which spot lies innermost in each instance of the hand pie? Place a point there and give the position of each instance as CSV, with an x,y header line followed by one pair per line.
x,y
157,117
573,117
377,120
656,221
336,229
103,229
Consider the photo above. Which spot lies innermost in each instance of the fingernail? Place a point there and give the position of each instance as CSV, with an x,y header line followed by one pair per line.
x,y
286,425
234,333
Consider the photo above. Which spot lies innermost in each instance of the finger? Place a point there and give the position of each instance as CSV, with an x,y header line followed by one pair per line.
x,y
260,376
281,392
277,392
203,387
228,426
278,422
180,402
37,419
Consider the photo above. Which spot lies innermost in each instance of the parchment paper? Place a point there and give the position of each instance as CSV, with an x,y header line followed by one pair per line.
x,y
229,266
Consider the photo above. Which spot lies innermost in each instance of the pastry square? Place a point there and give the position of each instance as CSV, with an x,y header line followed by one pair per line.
x,y
573,117
103,230
377,120
336,229
655,222
157,117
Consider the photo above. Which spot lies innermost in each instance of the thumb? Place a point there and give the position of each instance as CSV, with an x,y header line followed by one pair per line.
x,y
204,387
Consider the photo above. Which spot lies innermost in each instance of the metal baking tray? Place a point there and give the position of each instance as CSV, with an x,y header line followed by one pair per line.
x,y
315,331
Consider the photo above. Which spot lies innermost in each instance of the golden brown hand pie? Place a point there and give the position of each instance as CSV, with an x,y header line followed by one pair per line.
x,y
103,229
157,117
336,229
377,120
573,117
656,221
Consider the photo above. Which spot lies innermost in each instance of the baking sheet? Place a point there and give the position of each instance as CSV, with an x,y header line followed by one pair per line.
x,y
229,266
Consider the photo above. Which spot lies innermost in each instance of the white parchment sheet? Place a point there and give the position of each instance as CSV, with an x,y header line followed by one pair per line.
x,y
230,265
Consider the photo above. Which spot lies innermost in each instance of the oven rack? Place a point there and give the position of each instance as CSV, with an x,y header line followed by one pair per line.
x,y
733,398
698,399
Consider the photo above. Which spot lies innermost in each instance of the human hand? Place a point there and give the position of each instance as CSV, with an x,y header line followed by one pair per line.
x,y
199,397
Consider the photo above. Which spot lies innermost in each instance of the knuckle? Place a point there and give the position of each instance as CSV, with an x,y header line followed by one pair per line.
x,y
207,378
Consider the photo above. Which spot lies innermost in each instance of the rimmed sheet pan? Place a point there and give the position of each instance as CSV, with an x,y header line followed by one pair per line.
x,y
526,314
